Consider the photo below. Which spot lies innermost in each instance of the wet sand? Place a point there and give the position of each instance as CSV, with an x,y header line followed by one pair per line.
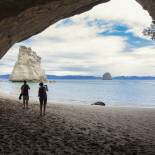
x,y
75,130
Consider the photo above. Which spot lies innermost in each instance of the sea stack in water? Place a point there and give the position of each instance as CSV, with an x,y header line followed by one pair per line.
x,y
107,76
28,67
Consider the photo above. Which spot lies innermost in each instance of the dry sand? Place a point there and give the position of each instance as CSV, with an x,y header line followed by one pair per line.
x,y
76,130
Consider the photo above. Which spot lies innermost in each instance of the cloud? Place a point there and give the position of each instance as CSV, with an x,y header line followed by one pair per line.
x,y
107,38
120,11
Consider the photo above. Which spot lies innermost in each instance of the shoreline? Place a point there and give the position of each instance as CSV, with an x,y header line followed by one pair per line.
x,y
79,93
75,129
49,102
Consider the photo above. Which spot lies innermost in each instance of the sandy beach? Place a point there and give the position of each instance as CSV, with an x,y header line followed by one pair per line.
x,y
75,130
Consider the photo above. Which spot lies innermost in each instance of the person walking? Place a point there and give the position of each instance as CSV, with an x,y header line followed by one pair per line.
x,y
42,97
25,94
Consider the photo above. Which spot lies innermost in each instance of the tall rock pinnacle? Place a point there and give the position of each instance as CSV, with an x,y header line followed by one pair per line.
x,y
28,67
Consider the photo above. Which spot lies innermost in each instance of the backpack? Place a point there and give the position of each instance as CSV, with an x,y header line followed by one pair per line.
x,y
25,89
42,91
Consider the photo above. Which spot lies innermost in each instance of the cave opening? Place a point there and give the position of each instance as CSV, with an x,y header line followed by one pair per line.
x,y
108,38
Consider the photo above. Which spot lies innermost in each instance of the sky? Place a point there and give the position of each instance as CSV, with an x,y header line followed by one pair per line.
x,y
107,38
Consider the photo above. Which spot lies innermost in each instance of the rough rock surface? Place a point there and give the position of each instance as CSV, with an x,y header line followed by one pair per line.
x,y
25,18
28,67
148,5
99,103
107,76
21,19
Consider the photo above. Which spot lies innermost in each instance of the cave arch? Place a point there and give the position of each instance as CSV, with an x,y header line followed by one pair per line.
x,y
22,19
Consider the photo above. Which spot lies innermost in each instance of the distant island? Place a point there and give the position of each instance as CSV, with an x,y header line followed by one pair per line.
x,y
107,76
134,78
72,77
81,77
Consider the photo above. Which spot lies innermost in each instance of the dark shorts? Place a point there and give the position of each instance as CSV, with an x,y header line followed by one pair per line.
x,y
43,100
25,97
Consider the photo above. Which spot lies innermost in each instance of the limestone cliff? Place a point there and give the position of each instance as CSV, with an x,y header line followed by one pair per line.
x,y
28,67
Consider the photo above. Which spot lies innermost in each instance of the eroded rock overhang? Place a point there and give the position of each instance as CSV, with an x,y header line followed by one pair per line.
x,y
21,19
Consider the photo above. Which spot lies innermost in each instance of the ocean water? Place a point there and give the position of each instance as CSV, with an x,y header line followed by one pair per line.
x,y
113,93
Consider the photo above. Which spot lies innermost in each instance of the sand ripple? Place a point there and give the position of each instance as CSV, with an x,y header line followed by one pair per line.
x,y
76,130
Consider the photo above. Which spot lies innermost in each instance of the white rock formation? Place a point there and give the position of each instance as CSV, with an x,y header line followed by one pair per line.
x,y
28,67
107,76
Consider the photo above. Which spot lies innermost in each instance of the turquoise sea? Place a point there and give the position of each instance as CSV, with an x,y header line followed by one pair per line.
x,y
113,93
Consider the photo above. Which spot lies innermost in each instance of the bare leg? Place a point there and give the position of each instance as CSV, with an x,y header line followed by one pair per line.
x,y
41,106
27,104
24,103
45,102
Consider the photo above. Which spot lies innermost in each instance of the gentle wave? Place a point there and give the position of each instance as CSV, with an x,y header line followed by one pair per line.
x,y
113,93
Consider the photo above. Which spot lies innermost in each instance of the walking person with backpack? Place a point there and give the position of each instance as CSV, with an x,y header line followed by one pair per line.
x,y
25,94
42,97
